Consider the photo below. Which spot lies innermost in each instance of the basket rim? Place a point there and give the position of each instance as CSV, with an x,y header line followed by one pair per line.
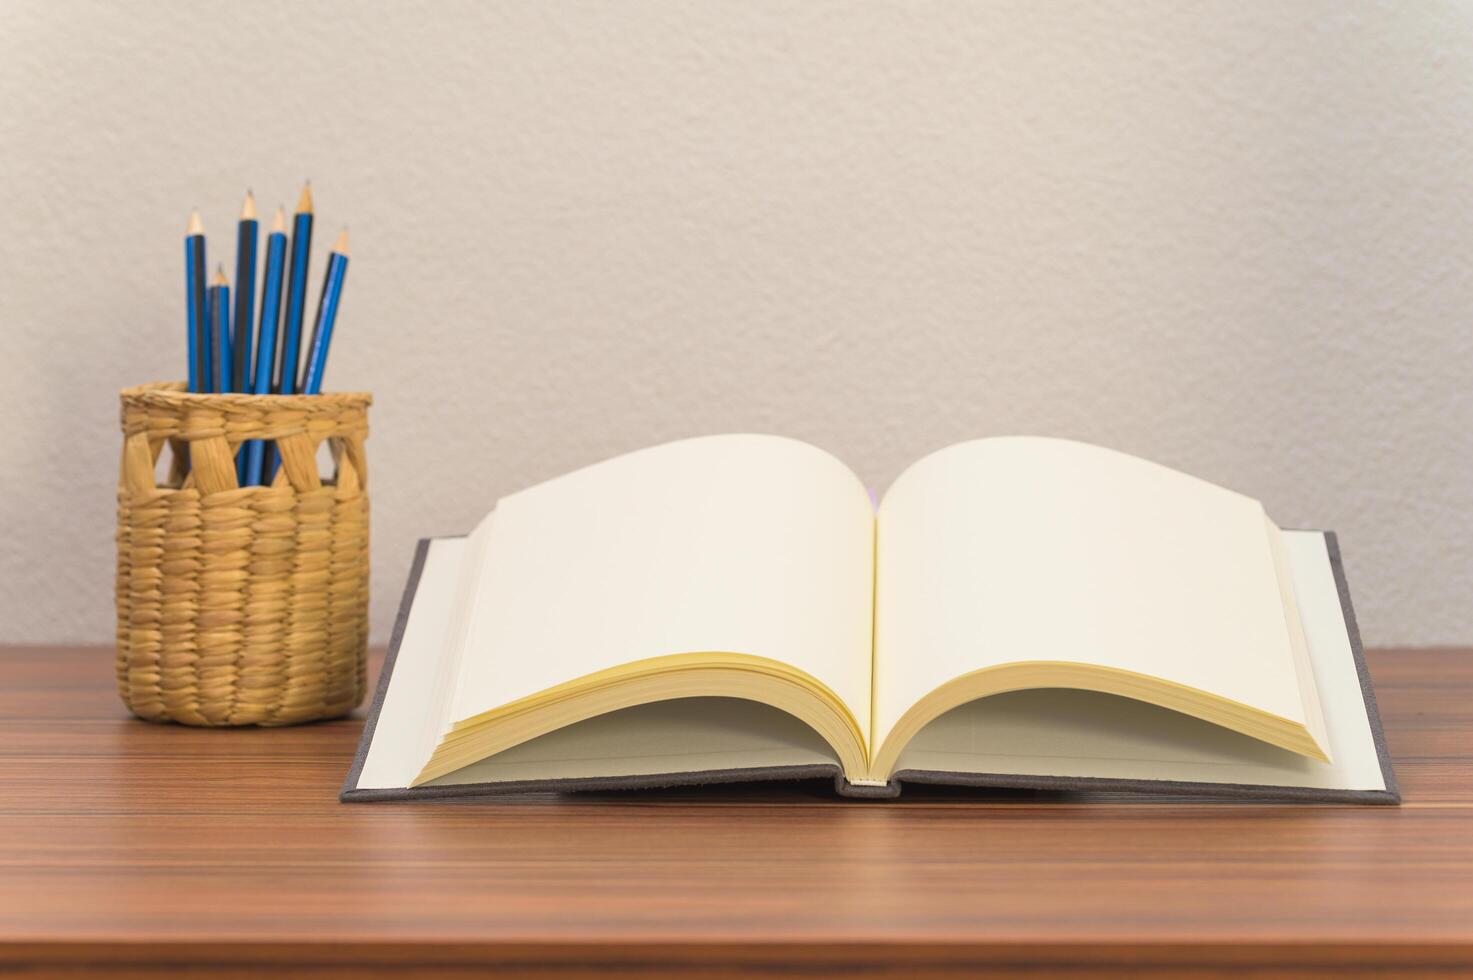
x,y
175,394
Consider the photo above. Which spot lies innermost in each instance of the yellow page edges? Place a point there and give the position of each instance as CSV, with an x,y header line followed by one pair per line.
x,y
681,675
1034,674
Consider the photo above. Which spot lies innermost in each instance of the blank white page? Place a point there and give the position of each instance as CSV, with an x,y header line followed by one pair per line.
x,y
405,733
1021,548
1080,733
745,544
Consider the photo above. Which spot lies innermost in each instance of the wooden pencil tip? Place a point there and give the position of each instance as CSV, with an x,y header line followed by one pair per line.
x,y
341,245
278,223
248,209
220,279
196,226
304,203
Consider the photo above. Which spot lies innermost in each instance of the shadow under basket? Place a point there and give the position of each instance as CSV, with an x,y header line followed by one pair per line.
x,y
241,605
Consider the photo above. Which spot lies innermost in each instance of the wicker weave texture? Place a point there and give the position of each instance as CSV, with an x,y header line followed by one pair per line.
x,y
241,605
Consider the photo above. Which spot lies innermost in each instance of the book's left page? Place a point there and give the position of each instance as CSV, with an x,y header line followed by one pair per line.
x,y
747,557
401,722
703,740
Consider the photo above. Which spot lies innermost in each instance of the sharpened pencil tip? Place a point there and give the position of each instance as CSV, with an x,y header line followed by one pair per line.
x,y
341,245
278,223
248,209
220,279
196,226
304,203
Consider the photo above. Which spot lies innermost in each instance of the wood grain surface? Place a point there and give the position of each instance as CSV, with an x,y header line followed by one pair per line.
x,y
136,848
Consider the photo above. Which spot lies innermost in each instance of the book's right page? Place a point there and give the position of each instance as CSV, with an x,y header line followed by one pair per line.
x,y
1053,564
1081,739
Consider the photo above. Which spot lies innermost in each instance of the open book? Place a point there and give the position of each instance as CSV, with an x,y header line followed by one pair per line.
x,y
1016,612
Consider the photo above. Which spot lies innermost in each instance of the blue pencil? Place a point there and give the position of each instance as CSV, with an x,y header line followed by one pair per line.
x,y
245,294
288,357
220,328
194,284
327,314
245,297
266,336
287,362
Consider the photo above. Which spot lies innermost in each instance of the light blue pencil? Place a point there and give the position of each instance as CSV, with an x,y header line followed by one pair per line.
x,y
327,314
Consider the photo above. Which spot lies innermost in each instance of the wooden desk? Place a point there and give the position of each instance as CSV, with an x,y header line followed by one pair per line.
x,y
147,848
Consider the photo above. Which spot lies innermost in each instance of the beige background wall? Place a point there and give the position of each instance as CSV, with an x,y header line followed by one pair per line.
x,y
1230,237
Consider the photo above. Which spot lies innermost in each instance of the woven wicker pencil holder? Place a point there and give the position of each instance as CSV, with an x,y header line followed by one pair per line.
x,y
241,605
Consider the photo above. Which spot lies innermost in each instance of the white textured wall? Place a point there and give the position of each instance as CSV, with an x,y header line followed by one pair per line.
x,y
1230,237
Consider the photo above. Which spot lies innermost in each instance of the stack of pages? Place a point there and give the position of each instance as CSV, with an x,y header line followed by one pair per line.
x,y
1018,612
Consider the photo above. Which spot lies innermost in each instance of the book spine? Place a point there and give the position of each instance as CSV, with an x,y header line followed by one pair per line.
x,y
845,788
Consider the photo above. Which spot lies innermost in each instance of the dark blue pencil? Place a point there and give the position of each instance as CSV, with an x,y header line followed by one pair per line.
x,y
266,336
245,294
220,328
327,314
284,382
194,284
287,362
245,298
